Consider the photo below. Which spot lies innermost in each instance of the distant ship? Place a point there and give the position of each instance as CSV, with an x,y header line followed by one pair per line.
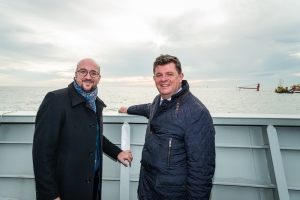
x,y
281,89
248,87
296,88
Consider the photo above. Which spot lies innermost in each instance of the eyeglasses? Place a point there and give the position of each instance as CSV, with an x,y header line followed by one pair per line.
x,y
83,72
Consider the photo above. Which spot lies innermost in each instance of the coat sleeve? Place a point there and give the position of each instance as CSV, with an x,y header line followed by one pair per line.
x,y
200,148
142,109
110,149
45,141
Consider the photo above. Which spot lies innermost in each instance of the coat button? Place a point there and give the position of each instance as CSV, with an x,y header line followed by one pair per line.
x,y
87,180
91,153
151,132
92,125
145,149
142,167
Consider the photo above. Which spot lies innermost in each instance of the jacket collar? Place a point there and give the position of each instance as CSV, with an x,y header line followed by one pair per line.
x,y
185,87
160,109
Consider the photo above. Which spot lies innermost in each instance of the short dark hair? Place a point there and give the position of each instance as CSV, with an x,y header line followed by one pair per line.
x,y
166,59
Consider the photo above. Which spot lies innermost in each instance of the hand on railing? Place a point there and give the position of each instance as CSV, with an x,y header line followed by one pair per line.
x,y
125,155
123,110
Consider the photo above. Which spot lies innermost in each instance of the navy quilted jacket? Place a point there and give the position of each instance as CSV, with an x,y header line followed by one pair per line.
x,y
178,158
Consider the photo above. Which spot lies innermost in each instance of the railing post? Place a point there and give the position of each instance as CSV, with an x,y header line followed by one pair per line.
x,y
125,173
277,164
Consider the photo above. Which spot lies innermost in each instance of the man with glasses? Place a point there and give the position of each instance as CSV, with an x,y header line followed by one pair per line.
x,y
68,140
178,157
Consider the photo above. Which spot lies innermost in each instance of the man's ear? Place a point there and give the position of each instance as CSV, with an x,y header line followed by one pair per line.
x,y
181,77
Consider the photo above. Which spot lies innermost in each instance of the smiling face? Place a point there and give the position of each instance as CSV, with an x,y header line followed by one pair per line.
x,y
87,83
167,79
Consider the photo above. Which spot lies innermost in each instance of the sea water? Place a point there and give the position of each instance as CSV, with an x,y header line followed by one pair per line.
x,y
217,100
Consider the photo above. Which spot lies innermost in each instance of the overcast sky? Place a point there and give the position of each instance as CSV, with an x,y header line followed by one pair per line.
x,y
219,43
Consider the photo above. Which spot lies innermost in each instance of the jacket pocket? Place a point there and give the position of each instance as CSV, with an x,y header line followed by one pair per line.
x,y
171,180
169,152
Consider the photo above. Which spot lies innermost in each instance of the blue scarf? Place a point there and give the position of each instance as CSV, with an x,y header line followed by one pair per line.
x,y
90,97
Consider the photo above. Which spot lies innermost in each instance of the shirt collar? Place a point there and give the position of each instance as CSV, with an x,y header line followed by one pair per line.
x,y
169,99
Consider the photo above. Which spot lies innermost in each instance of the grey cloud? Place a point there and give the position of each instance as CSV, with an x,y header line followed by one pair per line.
x,y
14,47
31,75
244,46
291,40
130,61
254,45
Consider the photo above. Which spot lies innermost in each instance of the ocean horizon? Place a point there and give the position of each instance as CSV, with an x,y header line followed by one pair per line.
x,y
217,100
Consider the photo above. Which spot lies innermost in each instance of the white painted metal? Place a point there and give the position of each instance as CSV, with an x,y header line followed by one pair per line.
x,y
124,179
246,166
277,163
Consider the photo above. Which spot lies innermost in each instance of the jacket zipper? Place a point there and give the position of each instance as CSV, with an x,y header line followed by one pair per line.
x,y
169,152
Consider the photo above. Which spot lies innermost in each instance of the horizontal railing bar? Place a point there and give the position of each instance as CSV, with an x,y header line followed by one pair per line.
x,y
110,179
16,176
245,185
24,117
136,180
137,144
15,142
290,148
294,188
214,183
242,146
223,146
141,144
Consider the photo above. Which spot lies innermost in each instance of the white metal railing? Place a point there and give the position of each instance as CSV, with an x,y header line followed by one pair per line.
x,y
257,154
